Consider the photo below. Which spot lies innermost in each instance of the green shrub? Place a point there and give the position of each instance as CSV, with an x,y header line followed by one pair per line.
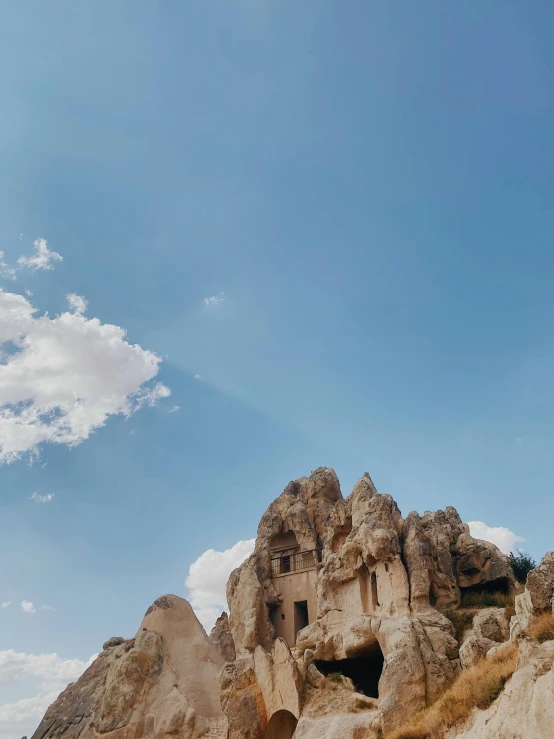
x,y
521,564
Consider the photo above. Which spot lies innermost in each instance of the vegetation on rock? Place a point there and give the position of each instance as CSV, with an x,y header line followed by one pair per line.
x,y
542,628
521,564
476,687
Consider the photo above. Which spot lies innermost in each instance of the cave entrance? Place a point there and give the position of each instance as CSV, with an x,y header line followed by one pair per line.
x,y
492,593
281,726
364,670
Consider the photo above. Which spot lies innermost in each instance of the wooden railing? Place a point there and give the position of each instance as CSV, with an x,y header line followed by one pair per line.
x,y
295,562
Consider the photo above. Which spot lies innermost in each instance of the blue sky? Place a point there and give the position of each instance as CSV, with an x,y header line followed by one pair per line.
x,y
365,189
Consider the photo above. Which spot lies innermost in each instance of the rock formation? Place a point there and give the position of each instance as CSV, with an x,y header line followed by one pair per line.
x,y
343,601
347,620
162,683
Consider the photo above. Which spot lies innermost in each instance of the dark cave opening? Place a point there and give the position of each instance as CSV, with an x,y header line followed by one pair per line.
x,y
281,726
364,670
493,593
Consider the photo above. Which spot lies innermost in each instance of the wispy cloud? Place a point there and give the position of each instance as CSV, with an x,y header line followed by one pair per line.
x,y
77,303
46,498
198,377
214,300
6,272
43,257
6,604
48,608
28,606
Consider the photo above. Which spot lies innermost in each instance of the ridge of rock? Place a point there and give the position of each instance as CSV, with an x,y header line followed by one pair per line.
x,y
340,627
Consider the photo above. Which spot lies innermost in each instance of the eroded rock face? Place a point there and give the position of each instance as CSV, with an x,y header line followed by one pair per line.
x,y
222,638
162,683
538,596
490,627
342,580
525,709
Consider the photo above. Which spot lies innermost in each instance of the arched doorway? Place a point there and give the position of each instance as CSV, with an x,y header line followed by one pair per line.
x,y
281,726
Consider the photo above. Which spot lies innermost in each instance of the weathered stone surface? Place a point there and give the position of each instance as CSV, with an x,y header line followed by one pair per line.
x,y
474,649
380,586
115,641
540,584
525,708
480,562
162,683
341,596
222,638
538,596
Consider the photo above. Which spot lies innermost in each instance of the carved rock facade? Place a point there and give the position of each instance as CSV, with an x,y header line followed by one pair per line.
x,y
343,603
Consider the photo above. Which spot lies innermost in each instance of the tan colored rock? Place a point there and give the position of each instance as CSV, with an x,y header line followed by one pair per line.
x,y
222,638
162,683
480,562
538,595
489,628
474,649
540,585
348,580
491,623
242,700
525,708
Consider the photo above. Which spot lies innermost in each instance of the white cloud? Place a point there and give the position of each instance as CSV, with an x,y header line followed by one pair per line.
x,y
6,272
29,293
50,675
48,608
22,717
504,539
174,409
207,580
198,377
28,606
42,498
6,604
43,257
77,303
69,375
214,300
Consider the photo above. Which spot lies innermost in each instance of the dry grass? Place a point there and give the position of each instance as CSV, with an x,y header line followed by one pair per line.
x,y
542,628
474,688
485,599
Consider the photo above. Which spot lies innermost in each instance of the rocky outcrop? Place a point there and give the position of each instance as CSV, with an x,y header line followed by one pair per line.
x,y
525,708
490,627
163,682
222,639
371,586
341,626
538,596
